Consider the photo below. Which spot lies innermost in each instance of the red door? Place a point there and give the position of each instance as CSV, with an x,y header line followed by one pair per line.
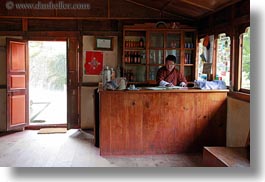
x,y
17,84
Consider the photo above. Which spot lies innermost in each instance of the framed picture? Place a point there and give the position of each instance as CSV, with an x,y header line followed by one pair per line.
x,y
104,43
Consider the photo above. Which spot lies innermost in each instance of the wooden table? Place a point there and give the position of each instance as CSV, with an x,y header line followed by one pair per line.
x,y
161,121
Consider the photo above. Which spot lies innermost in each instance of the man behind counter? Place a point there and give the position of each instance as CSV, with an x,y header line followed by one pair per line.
x,y
168,75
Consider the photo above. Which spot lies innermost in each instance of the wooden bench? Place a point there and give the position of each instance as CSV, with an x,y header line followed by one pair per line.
x,y
226,157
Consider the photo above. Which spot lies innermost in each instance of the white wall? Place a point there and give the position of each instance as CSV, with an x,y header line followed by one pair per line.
x,y
110,58
87,107
2,109
238,122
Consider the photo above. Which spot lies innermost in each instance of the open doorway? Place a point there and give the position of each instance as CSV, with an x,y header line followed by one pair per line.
x,y
47,82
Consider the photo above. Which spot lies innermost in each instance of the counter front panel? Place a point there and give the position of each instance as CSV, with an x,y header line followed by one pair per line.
x,y
139,122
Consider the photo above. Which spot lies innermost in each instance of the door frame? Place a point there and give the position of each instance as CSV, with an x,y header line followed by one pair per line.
x,y
74,73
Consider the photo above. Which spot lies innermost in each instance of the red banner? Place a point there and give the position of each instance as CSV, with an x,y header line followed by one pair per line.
x,y
94,63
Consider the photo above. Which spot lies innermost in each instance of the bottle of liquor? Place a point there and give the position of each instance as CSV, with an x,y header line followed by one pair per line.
x,y
135,57
141,42
138,58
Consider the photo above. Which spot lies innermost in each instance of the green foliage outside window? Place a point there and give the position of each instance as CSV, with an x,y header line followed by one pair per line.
x,y
245,74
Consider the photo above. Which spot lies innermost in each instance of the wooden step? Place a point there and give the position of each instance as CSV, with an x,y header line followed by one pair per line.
x,y
226,157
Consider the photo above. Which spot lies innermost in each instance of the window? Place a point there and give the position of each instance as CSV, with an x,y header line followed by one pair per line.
x,y
205,54
223,58
245,60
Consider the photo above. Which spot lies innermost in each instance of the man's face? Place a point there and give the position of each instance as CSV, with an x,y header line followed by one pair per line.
x,y
170,65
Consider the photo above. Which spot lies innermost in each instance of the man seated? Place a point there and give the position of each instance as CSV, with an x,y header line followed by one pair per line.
x,y
169,76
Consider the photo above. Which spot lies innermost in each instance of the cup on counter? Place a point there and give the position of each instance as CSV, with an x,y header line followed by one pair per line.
x,y
122,83
132,87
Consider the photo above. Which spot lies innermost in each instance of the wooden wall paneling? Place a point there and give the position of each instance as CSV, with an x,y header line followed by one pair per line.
x,y
105,123
3,103
117,124
133,117
189,124
222,16
10,25
100,25
159,123
98,9
52,25
217,108
242,9
152,123
171,119
202,120
51,35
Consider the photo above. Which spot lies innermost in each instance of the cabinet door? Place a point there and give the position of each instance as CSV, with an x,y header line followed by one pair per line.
x,y
189,57
134,56
157,40
156,55
173,40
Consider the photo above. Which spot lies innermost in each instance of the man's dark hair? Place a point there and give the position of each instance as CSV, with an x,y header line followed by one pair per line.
x,y
171,58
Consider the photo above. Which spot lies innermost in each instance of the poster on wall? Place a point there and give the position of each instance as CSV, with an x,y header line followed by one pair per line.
x,y
94,63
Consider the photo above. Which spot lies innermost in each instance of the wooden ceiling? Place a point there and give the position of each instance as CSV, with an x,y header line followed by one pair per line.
x,y
190,10
187,9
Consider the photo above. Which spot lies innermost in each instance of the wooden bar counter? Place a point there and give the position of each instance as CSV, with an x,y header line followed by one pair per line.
x,y
161,121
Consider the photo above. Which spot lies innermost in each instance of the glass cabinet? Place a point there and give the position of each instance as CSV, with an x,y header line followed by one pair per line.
x,y
134,56
145,50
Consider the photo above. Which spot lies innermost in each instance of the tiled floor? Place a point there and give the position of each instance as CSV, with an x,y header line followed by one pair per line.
x,y
76,149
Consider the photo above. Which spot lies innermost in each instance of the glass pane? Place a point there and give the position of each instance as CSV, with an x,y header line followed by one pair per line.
x,y
156,57
188,73
142,57
189,40
134,39
205,54
135,73
134,42
135,57
153,71
223,59
189,57
157,40
175,53
173,40
245,75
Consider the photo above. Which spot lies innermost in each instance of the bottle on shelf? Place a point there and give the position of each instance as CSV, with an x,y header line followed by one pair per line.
x,y
135,58
141,43
138,58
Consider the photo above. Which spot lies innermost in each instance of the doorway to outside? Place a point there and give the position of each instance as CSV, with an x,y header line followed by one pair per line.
x,y
47,82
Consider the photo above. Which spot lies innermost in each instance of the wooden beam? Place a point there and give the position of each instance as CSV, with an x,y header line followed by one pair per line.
x,y
96,18
108,8
24,24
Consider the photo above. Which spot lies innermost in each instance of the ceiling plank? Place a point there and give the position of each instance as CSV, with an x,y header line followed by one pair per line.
x,y
197,5
155,9
166,4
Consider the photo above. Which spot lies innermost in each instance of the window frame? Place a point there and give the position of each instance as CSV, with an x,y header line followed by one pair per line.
x,y
240,62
